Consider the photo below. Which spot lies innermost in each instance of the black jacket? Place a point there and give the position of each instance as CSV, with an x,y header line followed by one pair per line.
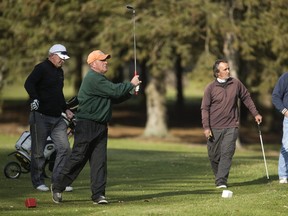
x,y
45,83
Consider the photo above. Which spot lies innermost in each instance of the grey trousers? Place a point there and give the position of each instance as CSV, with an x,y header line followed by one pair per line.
x,y
42,126
221,150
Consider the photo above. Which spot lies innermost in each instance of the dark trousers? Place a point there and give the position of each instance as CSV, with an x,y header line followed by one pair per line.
x,y
221,150
90,143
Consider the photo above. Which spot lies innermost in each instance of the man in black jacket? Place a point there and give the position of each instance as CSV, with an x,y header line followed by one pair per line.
x,y
45,88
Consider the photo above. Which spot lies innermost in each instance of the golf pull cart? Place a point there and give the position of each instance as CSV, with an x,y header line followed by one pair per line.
x,y
22,154
14,169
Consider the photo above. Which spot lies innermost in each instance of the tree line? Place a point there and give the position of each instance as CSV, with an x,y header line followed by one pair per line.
x,y
175,37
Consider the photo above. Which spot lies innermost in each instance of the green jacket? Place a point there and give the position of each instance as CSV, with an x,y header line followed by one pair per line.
x,y
97,94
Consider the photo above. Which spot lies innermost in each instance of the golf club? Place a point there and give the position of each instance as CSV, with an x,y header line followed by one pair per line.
x,y
262,146
134,37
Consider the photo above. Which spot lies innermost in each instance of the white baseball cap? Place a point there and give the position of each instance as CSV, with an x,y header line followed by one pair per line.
x,y
59,50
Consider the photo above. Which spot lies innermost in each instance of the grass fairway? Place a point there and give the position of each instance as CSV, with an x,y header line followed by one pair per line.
x,y
154,178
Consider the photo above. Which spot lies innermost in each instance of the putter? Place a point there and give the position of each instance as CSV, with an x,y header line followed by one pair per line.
x,y
134,37
35,136
262,146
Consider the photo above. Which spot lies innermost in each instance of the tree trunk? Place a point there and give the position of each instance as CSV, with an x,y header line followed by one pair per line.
x,y
156,125
231,55
179,82
3,73
265,102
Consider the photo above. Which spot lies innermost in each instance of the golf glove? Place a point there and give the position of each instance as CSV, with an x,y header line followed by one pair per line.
x,y
34,105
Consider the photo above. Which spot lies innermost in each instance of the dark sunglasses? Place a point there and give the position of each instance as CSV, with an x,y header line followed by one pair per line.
x,y
62,53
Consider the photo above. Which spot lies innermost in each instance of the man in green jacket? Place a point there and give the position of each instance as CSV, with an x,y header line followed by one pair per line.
x,y
96,96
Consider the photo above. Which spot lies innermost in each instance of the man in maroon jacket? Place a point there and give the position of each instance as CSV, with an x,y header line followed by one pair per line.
x,y
220,119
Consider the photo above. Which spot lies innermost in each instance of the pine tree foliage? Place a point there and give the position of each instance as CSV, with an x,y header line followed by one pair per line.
x,y
173,37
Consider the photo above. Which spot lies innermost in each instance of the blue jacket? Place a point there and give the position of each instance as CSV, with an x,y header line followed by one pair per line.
x,y
280,93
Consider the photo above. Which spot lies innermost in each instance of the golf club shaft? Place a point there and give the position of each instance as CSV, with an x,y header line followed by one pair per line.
x,y
134,40
135,55
35,136
263,152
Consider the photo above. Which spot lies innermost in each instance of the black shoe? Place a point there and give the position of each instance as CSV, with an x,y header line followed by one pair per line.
x,y
56,197
100,200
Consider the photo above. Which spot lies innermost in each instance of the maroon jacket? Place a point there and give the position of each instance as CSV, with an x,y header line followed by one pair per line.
x,y
219,107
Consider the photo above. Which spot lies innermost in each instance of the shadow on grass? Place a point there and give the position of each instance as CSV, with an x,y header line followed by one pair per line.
x,y
150,197
262,180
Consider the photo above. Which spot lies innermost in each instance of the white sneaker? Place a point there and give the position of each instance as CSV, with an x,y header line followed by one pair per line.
x,y
221,186
283,180
69,189
42,188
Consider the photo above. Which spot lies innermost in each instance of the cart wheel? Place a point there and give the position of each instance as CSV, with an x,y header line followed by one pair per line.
x,y
12,170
